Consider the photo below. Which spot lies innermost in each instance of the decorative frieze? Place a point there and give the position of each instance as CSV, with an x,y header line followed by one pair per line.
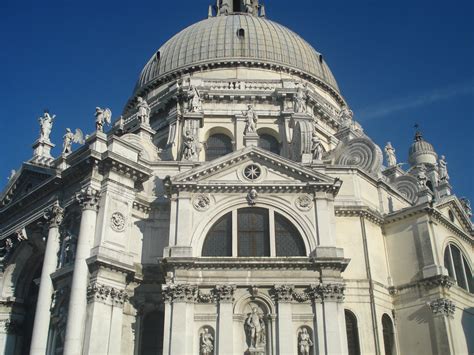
x,y
88,198
106,294
442,307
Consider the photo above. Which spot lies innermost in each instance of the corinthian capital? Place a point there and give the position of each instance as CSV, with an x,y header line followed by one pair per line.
x,y
55,215
283,293
88,198
224,293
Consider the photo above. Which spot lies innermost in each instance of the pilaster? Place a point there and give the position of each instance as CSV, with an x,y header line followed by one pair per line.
x,y
225,331
283,297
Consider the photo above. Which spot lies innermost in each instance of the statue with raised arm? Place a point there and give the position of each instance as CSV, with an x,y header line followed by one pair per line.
x,y
443,169
251,120
207,343
70,138
255,327
390,155
304,342
301,99
102,117
46,123
189,149
317,149
143,111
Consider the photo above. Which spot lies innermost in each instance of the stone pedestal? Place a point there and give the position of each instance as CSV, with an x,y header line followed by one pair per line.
x,y
444,189
393,172
425,196
251,140
42,152
145,131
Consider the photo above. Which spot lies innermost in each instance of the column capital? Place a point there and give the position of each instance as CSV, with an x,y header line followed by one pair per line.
x,y
224,293
88,198
97,292
55,215
283,293
327,292
180,293
442,307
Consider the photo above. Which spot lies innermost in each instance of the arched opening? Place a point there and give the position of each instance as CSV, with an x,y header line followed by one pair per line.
x,y
458,267
253,235
352,331
152,334
388,335
269,143
217,146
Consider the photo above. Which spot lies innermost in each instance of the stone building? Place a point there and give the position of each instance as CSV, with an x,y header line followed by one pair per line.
x,y
235,207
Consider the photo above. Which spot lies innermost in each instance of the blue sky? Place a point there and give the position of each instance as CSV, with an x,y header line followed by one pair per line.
x,y
397,63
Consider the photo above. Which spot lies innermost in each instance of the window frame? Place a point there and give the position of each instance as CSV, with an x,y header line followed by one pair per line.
x,y
452,269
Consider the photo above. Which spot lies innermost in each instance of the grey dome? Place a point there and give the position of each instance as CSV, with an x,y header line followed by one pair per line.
x,y
421,152
216,41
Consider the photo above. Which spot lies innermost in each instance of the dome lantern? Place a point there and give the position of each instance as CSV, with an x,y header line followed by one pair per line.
x,y
421,151
228,7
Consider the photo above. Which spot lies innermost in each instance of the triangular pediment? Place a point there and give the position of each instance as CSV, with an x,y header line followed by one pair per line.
x,y
452,209
272,171
27,179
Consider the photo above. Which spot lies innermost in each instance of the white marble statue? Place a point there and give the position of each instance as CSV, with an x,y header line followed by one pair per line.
x,y
194,100
443,169
422,178
251,120
12,174
301,99
255,327
304,342
390,155
70,138
143,111
207,343
46,123
190,150
346,115
102,117
317,149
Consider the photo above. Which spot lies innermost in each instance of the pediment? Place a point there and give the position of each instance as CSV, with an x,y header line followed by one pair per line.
x,y
23,182
234,171
453,211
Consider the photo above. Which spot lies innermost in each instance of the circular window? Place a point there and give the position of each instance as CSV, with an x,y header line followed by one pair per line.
x,y
252,172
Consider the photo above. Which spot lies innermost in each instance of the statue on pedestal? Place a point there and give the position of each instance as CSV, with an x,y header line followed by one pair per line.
x,y
422,178
102,117
70,138
144,111
317,149
46,123
207,343
304,342
301,99
443,169
194,100
255,329
189,149
251,120
390,155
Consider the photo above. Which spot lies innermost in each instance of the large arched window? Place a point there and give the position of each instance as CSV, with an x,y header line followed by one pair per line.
x,y
388,335
352,331
152,334
458,267
269,143
217,146
258,232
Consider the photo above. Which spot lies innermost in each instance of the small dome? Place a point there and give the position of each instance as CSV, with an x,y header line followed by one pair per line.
x,y
422,152
236,38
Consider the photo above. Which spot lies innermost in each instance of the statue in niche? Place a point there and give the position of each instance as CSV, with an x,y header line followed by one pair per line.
x,y
70,138
317,149
189,151
251,120
102,117
207,342
301,99
255,330
194,100
422,178
46,123
390,155
443,169
304,342
143,111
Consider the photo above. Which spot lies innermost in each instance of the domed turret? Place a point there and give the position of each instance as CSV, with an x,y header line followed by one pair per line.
x,y
422,152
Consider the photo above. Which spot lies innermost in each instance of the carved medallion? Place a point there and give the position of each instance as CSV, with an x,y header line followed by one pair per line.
x,y
201,202
304,202
117,222
252,172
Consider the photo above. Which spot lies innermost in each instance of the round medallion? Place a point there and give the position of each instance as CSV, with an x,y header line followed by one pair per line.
x,y
304,202
201,202
252,172
118,222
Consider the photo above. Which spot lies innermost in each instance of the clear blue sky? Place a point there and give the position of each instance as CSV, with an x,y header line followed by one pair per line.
x,y
397,62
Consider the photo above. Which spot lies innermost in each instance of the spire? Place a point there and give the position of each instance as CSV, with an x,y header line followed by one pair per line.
x,y
227,7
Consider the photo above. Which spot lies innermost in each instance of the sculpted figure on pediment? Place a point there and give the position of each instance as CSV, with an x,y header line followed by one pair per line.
x,y
46,124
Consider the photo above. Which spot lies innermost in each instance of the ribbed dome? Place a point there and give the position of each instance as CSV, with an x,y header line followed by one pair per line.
x,y
236,38
422,152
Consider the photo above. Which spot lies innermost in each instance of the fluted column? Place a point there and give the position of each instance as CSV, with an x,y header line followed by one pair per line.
x,y
50,263
89,200
225,329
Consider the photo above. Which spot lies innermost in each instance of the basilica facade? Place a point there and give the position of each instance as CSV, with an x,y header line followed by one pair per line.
x,y
235,207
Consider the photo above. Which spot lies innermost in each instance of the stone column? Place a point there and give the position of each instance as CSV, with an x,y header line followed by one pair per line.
x,y
225,329
89,200
285,333
42,317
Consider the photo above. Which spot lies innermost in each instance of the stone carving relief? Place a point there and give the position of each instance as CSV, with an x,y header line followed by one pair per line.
x,y
283,293
422,178
317,148
442,307
190,152
8,246
194,100
305,343
180,293
252,172
117,222
363,153
252,197
106,294
201,202
304,203
206,342
55,215
255,330
224,293
301,98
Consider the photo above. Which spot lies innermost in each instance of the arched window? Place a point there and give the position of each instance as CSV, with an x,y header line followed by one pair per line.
x,y
217,146
352,331
388,335
257,229
152,334
269,143
458,267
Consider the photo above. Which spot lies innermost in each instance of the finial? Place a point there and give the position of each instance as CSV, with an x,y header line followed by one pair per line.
x,y
418,135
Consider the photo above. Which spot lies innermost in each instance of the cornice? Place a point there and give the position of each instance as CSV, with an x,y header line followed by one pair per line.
x,y
357,211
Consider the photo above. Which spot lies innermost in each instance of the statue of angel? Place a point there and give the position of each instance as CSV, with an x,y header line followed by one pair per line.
x,y
144,111
252,119
70,138
390,155
102,117
46,123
